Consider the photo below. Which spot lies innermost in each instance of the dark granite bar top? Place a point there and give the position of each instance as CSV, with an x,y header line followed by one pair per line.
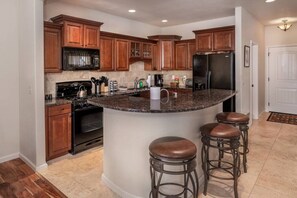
x,y
56,102
185,101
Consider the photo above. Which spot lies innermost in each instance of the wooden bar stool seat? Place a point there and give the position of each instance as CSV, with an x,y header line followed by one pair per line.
x,y
173,156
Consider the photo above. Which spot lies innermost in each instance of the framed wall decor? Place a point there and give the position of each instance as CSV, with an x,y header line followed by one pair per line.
x,y
246,56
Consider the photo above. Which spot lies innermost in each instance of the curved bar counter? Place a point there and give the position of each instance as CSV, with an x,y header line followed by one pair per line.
x,y
132,123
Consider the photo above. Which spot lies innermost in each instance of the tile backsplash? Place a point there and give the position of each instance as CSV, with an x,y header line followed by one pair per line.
x,y
124,78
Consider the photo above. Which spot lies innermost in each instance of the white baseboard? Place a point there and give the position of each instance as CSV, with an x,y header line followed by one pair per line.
x,y
27,161
125,194
9,157
116,188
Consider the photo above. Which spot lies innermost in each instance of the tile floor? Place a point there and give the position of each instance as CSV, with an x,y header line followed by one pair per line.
x,y
272,168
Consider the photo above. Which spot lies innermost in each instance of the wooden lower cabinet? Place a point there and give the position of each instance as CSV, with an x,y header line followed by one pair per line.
x,y
58,130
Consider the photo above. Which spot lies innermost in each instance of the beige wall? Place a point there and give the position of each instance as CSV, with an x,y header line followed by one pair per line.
x,y
248,29
277,37
186,30
111,23
31,78
9,80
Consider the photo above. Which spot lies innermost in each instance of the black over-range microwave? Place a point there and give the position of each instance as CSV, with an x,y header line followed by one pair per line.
x,y
80,59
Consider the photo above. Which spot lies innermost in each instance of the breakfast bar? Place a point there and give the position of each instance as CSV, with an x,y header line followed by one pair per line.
x,y
131,122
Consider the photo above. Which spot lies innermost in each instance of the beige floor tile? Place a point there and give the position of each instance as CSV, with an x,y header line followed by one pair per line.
x,y
262,192
272,168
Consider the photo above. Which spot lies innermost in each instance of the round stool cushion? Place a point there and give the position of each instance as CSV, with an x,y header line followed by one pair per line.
x,y
173,148
232,117
219,130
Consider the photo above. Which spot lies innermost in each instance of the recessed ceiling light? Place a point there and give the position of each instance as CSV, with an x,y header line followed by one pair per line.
x,y
164,21
131,11
269,1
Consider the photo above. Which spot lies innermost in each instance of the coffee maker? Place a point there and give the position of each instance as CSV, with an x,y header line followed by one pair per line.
x,y
158,80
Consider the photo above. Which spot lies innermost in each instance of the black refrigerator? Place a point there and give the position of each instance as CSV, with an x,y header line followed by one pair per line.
x,y
215,71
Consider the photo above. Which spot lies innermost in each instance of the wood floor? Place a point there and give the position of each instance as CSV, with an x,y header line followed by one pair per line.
x,y
17,179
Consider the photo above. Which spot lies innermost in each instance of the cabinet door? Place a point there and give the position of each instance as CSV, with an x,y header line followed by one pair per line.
x,y
191,52
73,35
154,63
204,42
147,50
106,54
135,49
122,54
91,37
52,50
181,56
59,135
223,40
167,55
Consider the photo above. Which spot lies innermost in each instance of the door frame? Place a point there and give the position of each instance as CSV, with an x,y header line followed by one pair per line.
x,y
254,80
267,71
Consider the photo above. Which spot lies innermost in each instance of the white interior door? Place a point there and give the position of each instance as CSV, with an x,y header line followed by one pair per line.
x,y
282,75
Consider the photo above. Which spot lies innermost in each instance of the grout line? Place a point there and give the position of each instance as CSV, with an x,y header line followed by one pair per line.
x,y
270,150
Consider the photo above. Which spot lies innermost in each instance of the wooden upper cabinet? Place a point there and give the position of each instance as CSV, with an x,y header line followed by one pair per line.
x,y
166,50
52,47
204,42
122,54
216,39
191,52
181,56
107,54
147,50
184,51
223,40
79,33
91,36
167,54
73,34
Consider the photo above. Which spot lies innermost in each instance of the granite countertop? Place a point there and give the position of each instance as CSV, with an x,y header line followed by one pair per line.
x,y
56,102
185,101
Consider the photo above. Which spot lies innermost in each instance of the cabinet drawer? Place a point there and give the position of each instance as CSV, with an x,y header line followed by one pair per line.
x,y
57,110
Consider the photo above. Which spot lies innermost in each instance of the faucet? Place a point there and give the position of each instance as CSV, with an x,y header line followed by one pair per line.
x,y
137,81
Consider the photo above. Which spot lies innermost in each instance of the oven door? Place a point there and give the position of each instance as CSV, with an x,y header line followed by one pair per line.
x,y
87,130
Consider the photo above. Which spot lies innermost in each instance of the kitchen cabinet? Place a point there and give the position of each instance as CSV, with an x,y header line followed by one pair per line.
x,y
79,33
140,50
184,51
114,54
52,47
147,50
107,54
153,64
216,39
58,130
135,49
122,55
166,50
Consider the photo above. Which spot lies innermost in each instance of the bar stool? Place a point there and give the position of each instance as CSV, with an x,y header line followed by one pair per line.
x,y
223,137
241,121
173,156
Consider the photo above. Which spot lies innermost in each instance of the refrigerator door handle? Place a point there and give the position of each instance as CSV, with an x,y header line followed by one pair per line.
x,y
208,79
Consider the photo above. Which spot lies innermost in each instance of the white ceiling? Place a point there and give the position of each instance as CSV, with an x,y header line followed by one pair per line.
x,y
187,11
